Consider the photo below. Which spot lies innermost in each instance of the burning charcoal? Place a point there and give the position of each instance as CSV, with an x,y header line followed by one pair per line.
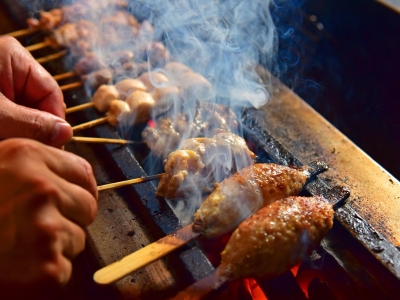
x,y
276,238
242,194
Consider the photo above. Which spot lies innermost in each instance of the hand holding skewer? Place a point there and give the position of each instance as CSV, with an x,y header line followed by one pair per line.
x,y
48,195
32,103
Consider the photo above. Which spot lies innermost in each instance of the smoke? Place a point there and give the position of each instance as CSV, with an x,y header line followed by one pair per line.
x,y
222,40
218,44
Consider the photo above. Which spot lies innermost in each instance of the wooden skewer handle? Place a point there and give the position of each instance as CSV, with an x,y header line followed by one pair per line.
x,y
51,57
71,86
65,75
99,140
144,256
19,33
128,182
79,107
90,124
37,46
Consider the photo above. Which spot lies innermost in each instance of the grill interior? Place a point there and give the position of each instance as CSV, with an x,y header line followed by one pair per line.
x,y
353,261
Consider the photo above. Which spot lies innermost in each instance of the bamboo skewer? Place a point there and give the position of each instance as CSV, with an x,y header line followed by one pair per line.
x,y
79,107
90,124
145,256
38,46
81,139
51,57
65,75
71,86
128,182
20,33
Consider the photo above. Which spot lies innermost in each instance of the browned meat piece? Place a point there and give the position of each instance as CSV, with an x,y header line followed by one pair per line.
x,y
117,112
219,156
141,103
93,61
244,193
162,139
276,238
89,63
76,12
118,19
103,96
80,37
63,36
207,120
165,97
177,71
180,165
193,85
153,79
157,54
48,20
128,85
97,78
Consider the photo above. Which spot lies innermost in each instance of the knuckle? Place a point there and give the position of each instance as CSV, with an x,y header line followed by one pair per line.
x,y
8,41
18,149
80,238
92,211
48,229
37,128
57,271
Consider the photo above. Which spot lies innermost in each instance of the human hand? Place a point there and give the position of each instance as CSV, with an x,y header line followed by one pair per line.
x,y
47,197
31,102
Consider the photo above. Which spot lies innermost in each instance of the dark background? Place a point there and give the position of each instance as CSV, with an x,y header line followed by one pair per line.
x,y
341,57
348,70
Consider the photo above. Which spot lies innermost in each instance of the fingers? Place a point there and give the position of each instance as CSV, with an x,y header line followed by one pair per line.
x,y
47,170
76,203
20,121
71,168
24,81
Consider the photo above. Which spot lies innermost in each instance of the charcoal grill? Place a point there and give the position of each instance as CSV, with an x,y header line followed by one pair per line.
x,y
358,258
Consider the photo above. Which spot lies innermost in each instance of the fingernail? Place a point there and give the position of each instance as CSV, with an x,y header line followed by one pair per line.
x,y
61,134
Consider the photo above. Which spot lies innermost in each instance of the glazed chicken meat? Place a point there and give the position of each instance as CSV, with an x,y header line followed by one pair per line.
x,y
169,131
276,238
244,193
202,161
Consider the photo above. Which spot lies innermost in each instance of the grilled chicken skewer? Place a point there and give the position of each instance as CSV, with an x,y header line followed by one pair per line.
x,y
269,243
135,109
276,181
117,110
199,162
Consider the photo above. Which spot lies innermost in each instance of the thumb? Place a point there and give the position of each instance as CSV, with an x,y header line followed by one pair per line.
x,y
21,121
